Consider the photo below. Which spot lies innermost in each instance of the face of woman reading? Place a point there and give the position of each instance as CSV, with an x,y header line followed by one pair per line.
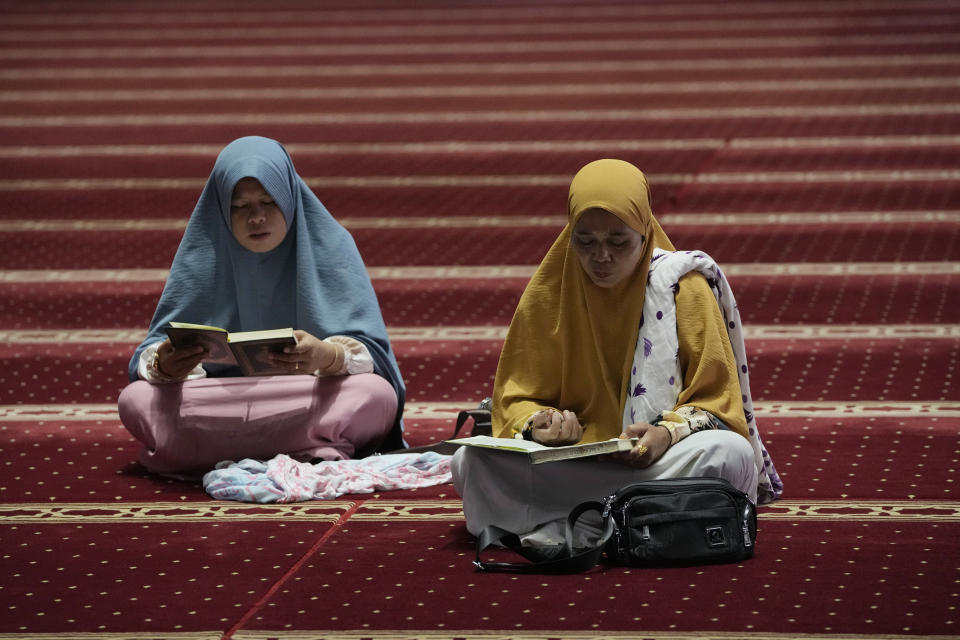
x,y
255,219
608,249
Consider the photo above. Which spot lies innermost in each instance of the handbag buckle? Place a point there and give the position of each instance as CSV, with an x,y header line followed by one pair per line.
x,y
715,537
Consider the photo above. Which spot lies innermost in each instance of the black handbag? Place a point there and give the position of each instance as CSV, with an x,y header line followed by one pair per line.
x,y
669,522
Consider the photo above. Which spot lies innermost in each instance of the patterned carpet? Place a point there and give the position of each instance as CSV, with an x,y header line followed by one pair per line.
x,y
811,148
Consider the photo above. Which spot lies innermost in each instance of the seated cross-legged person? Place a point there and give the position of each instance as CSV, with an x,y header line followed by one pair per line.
x,y
262,252
616,335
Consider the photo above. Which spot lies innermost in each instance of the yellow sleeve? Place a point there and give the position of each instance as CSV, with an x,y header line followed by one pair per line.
x,y
710,379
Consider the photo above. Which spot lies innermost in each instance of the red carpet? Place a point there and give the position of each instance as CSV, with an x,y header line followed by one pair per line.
x,y
811,148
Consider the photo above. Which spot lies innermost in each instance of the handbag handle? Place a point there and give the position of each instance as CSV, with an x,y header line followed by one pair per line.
x,y
481,422
563,558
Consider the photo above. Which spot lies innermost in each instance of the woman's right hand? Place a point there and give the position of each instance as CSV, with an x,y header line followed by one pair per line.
x,y
555,428
178,363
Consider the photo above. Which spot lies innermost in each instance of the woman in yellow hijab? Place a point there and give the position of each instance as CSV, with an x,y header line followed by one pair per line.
x,y
616,334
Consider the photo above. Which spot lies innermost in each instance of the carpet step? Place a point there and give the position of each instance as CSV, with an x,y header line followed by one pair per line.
x,y
871,120
476,196
665,166
846,294
933,241
891,369
827,457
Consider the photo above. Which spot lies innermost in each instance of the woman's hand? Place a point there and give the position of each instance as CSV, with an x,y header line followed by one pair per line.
x,y
653,443
309,354
555,428
178,363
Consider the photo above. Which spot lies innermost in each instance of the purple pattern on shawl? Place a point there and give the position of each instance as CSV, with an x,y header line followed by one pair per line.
x,y
771,485
647,348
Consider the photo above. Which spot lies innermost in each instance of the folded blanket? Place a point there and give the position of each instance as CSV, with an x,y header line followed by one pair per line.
x,y
283,479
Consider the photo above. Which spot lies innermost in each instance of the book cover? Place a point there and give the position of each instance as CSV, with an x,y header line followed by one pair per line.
x,y
185,335
538,453
246,349
252,349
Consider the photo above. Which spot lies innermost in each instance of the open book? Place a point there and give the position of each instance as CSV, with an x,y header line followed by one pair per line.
x,y
246,349
538,453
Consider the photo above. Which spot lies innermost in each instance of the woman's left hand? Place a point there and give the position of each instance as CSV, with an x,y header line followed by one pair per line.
x,y
653,443
554,428
309,354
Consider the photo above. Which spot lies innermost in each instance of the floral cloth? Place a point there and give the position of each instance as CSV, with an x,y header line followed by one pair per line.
x,y
283,479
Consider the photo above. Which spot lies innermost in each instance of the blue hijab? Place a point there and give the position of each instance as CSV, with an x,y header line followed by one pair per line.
x,y
314,280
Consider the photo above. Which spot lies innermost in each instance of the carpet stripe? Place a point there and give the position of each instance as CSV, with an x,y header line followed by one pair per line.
x,y
504,146
419,69
115,635
448,333
382,510
671,220
763,408
479,90
467,117
769,270
447,411
437,181
405,510
566,634
472,28
275,587
414,14
139,512
737,42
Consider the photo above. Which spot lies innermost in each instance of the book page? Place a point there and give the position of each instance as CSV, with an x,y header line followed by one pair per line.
x,y
539,453
284,336
198,327
512,444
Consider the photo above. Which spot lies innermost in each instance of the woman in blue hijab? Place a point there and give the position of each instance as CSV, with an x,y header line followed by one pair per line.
x,y
262,252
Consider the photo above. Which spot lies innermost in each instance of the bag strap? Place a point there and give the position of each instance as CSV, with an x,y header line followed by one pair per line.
x,y
562,558
481,422
481,427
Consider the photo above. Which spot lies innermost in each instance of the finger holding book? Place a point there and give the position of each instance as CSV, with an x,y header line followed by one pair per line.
x,y
177,363
555,428
653,443
310,355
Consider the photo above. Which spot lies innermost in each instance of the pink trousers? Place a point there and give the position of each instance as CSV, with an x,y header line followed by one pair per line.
x,y
187,428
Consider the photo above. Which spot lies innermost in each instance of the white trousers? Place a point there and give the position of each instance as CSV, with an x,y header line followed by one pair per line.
x,y
504,489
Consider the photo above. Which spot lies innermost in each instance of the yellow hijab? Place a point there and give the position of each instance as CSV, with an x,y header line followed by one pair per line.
x,y
571,343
